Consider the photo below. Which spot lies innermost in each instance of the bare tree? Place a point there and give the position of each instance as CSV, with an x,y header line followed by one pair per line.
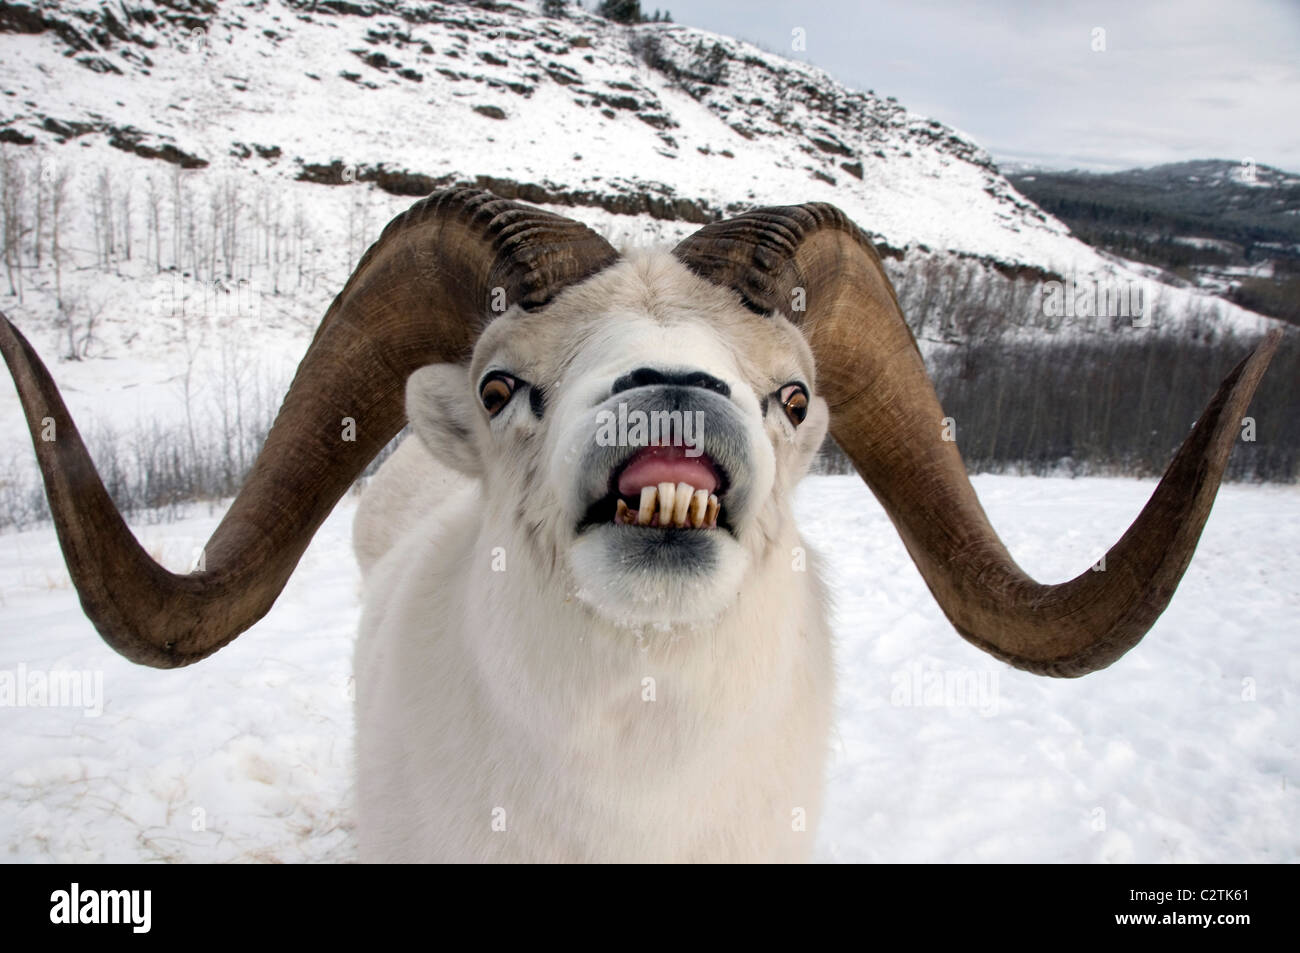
x,y
228,198
39,177
359,225
153,225
193,347
91,312
11,219
124,215
67,323
191,233
176,217
97,229
104,204
300,233
58,209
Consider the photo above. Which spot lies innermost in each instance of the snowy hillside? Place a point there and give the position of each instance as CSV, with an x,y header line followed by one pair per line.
x,y
191,183
1184,750
647,131
660,119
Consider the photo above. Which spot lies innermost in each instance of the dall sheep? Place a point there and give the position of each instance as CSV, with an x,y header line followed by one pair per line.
x,y
565,653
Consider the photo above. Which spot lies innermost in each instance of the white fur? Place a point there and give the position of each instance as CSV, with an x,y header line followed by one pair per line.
x,y
514,701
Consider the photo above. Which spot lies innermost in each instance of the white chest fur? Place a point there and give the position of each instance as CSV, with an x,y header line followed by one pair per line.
x,y
501,721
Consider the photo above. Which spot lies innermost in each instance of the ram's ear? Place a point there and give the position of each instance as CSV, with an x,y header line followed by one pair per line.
x,y
445,416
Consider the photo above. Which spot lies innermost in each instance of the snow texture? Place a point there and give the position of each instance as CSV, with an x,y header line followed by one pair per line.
x,y
1184,750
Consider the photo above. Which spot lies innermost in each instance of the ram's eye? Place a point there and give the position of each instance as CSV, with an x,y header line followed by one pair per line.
x,y
496,391
794,400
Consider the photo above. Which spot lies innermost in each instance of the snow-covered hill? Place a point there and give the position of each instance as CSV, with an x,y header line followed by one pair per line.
x,y
659,119
220,168
656,125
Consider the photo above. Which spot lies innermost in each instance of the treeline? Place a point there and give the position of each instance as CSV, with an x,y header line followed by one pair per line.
x,y
966,302
1092,404
1169,251
1200,198
625,11
1278,296
1157,215
155,471
1171,246
1108,404
57,218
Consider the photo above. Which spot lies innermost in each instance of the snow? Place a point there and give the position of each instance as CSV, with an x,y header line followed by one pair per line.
x,y
1181,751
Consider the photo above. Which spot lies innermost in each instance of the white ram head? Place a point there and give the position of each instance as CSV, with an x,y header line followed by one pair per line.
x,y
640,437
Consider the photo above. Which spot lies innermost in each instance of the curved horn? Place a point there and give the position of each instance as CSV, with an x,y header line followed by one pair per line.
x,y
887,418
420,295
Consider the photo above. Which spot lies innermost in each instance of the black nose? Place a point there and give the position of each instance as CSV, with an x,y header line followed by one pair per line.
x,y
645,376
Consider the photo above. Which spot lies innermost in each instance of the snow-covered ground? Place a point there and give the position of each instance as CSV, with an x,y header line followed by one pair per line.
x,y
1184,750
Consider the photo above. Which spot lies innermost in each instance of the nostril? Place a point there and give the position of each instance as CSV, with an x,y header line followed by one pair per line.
x,y
641,377
646,376
707,381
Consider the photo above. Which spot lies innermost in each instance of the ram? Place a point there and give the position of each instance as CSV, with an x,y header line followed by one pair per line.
x,y
588,641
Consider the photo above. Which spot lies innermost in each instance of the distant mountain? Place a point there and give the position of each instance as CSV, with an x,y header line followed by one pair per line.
x,y
1231,227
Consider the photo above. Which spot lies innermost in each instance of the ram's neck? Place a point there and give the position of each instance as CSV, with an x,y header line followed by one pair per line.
x,y
481,681
541,652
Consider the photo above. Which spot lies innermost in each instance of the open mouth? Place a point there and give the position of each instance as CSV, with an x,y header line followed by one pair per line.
x,y
661,487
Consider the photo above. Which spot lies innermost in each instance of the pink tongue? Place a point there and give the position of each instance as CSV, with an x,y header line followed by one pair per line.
x,y
655,465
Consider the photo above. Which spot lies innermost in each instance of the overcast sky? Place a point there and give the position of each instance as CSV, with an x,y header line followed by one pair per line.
x,y
1178,79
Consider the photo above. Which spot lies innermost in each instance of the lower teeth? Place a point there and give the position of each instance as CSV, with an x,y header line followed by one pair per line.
x,y
678,506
